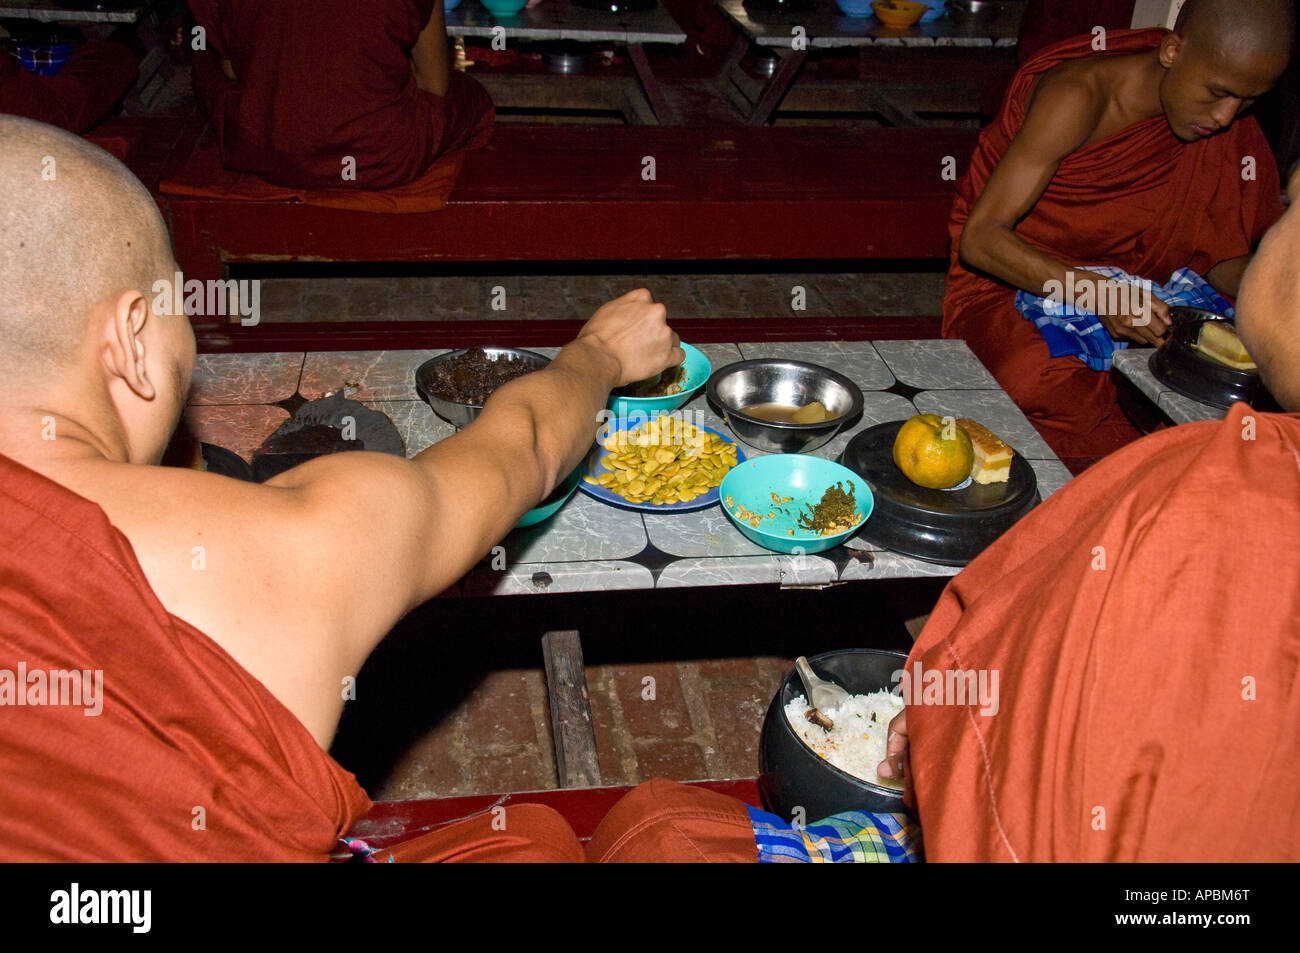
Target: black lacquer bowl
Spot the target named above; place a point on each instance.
(792, 775)
(1186, 370)
(950, 527)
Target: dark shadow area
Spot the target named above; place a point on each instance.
(432, 660)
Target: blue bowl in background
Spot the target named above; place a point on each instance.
(449, 5)
(46, 59)
(803, 478)
(698, 370)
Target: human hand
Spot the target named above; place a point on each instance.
(1143, 322)
(897, 764)
(634, 331)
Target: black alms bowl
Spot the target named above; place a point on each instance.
(792, 775)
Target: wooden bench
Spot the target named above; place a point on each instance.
(620, 193)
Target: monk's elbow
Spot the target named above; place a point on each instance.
(971, 247)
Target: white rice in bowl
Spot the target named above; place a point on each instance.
(857, 742)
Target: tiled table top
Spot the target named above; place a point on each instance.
(590, 545)
(1135, 364)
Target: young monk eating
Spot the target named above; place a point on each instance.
(1126, 149)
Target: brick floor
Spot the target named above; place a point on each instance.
(696, 720)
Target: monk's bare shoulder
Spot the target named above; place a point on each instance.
(1067, 107)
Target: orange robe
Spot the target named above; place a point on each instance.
(170, 751)
(189, 758)
(1145, 625)
(1141, 200)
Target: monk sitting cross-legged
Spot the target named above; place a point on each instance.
(332, 93)
(1134, 156)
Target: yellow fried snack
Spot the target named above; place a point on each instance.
(667, 461)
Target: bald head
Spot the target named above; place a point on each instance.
(1238, 28)
(77, 229)
(1268, 308)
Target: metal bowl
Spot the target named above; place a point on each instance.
(774, 381)
(461, 415)
(792, 775)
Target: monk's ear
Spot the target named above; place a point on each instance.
(1171, 47)
(124, 353)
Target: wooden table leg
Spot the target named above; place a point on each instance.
(775, 91)
(571, 724)
(653, 91)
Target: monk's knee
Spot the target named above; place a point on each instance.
(509, 833)
(662, 821)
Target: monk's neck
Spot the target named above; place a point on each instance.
(48, 440)
(1135, 88)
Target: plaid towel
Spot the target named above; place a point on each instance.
(1076, 331)
(854, 837)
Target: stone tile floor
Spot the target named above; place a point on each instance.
(783, 294)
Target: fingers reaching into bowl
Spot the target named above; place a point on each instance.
(896, 765)
(634, 330)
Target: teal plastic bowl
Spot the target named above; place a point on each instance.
(504, 8)
(796, 475)
(551, 505)
(698, 370)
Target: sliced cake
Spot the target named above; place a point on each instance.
(992, 456)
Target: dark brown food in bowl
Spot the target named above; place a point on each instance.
(474, 376)
(669, 382)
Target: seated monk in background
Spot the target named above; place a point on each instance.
(295, 88)
(1135, 157)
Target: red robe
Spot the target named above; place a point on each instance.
(96, 76)
(179, 754)
(321, 80)
(1141, 200)
(1145, 625)
(190, 757)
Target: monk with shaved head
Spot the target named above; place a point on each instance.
(1118, 157)
(157, 708)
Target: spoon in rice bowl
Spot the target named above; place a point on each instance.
(821, 694)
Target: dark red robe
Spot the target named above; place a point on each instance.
(1141, 200)
(323, 80)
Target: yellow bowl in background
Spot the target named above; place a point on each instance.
(898, 13)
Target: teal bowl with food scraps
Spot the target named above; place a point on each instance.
(554, 500)
(698, 370)
(782, 488)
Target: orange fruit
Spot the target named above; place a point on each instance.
(932, 453)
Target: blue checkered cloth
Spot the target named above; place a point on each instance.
(855, 837)
(1071, 331)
